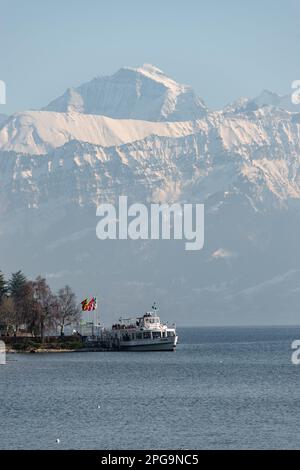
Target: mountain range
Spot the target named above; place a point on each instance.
(141, 134)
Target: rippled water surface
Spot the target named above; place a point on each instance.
(222, 388)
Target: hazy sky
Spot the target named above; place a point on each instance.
(224, 49)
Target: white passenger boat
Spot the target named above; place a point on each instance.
(146, 333)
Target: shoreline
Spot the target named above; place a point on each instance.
(44, 351)
(36, 345)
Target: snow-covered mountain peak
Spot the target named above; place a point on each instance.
(154, 73)
(265, 99)
(149, 68)
(103, 139)
(268, 98)
(144, 93)
(241, 105)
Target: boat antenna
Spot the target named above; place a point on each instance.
(154, 306)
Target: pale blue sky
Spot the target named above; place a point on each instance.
(224, 49)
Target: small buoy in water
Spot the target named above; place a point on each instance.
(98, 407)
(221, 362)
(57, 441)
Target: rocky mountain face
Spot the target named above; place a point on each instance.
(145, 93)
(109, 138)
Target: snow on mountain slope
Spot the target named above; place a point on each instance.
(37, 132)
(243, 163)
(259, 159)
(143, 93)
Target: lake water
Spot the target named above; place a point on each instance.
(223, 388)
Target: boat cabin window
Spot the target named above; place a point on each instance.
(156, 334)
(147, 335)
(170, 333)
(139, 336)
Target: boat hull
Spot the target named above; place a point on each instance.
(150, 345)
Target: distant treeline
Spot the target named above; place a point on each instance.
(31, 307)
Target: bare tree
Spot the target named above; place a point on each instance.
(68, 311)
(31, 309)
(46, 308)
(8, 314)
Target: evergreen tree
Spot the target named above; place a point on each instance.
(16, 285)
